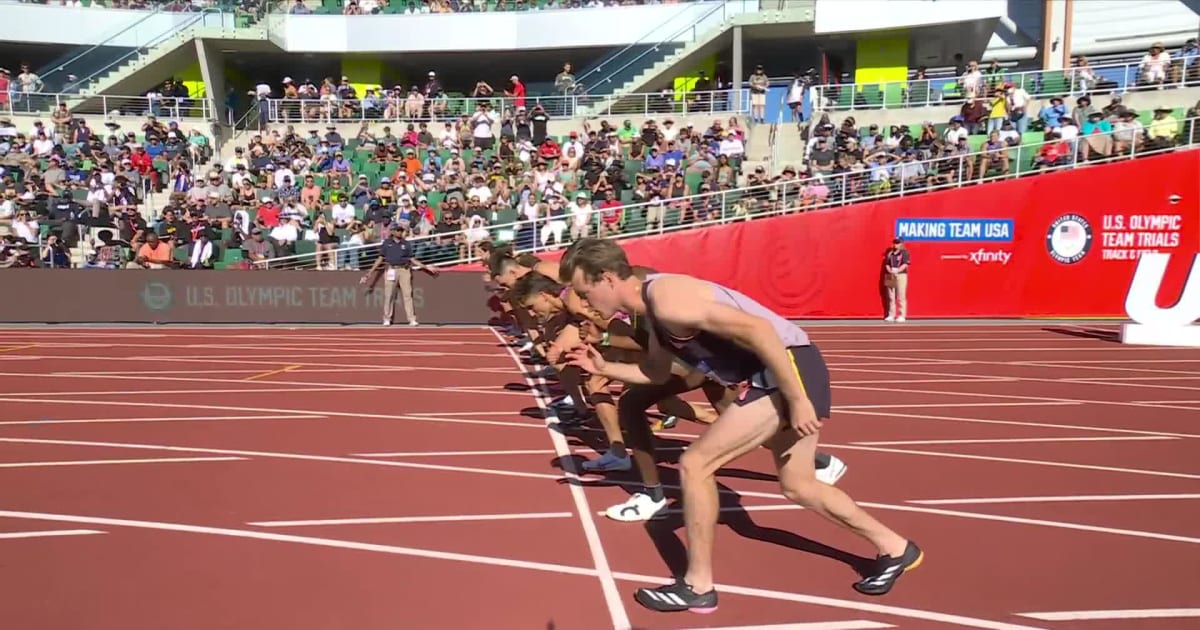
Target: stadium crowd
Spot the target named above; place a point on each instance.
(464, 180)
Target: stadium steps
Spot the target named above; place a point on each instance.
(168, 57)
(660, 76)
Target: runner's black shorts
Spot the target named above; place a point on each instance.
(809, 368)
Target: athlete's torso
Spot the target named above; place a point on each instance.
(721, 359)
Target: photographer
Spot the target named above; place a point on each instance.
(54, 253)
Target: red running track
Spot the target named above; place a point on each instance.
(201, 478)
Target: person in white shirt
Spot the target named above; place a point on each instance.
(972, 81)
(1018, 106)
(284, 175)
(480, 191)
(201, 253)
(239, 175)
(343, 213)
(286, 234)
(481, 127)
(448, 138)
(731, 146)
(1155, 64)
(669, 131)
(956, 131)
(573, 143)
(581, 216)
(1068, 131)
(42, 146)
(555, 225)
(26, 226)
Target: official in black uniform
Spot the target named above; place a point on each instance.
(396, 257)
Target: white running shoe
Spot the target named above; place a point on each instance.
(889, 318)
(834, 471)
(639, 507)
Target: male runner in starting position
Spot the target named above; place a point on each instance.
(785, 398)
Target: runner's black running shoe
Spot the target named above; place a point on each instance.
(677, 597)
(889, 569)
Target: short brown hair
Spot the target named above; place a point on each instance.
(530, 285)
(595, 257)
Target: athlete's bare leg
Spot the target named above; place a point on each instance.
(740, 429)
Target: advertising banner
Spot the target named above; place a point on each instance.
(1060, 244)
(182, 296)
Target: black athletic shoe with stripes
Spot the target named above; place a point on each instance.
(677, 597)
(889, 569)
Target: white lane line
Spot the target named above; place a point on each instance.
(855, 624)
(782, 507)
(331, 414)
(541, 451)
(278, 455)
(101, 462)
(1056, 499)
(608, 584)
(1050, 403)
(532, 451)
(245, 390)
(1017, 460)
(1136, 533)
(162, 419)
(1107, 438)
(453, 518)
(1093, 615)
(1019, 423)
(49, 533)
(857, 605)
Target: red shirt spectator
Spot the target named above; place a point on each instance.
(141, 161)
(549, 149)
(517, 93)
(268, 213)
(1053, 151)
(610, 211)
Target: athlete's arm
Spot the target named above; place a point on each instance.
(596, 332)
(656, 365)
(568, 339)
(687, 304)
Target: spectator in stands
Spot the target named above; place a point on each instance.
(1162, 130)
(1083, 77)
(200, 252)
(257, 248)
(152, 253)
(1052, 114)
(1155, 65)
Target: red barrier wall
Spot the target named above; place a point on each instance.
(829, 263)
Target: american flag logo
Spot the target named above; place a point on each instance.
(1069, 239)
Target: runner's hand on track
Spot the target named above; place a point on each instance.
(587, 358)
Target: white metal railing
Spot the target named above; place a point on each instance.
(42, 104)
(782, 196)
(397, 109)
(1040, 84)
(456, 6)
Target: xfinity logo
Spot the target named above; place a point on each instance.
(981, 256)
